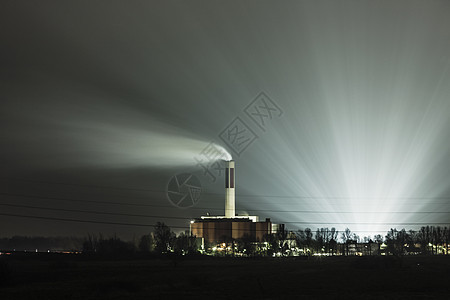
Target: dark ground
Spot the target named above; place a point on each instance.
(42, 276)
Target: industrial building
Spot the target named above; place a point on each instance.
(219, 229)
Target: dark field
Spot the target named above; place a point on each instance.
(44, 276)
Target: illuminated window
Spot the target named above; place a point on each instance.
(226, 178)
(232, 178)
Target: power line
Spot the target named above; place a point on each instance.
(152, 225)
(74, 220)
(210, 208)
(81, 200)
(103, 222)
(288, 222)
(366, 223)
(89, 211)
(171, 217)
(238, 195)
(82, 185)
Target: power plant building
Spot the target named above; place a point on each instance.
(231, 226)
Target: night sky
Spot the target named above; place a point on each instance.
(102, 102)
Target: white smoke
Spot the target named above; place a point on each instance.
(225, 154)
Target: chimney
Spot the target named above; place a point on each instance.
(230, 207)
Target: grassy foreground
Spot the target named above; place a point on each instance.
(78, 277)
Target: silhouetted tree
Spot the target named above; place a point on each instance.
(439, 240)
(305, 240)
(423, 240)
(20, 243)
(164, 238)
(146, 243)
(332, 240)
(396, 240)
(114, 246)
(379, 240)
(370, 243)
(272, 244)
(347, 238)
(320, 239)
(446, 234)
(301, 240)
(246, 245)
(282, 240)
(185, 244)
(411, 241)
(90, 244)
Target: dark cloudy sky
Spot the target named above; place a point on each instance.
(104, 101)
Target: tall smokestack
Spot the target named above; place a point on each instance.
(230, 207)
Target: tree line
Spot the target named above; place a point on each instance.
(161, 241)
(28, 243)
(429, 240)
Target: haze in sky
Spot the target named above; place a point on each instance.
(345, 106)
